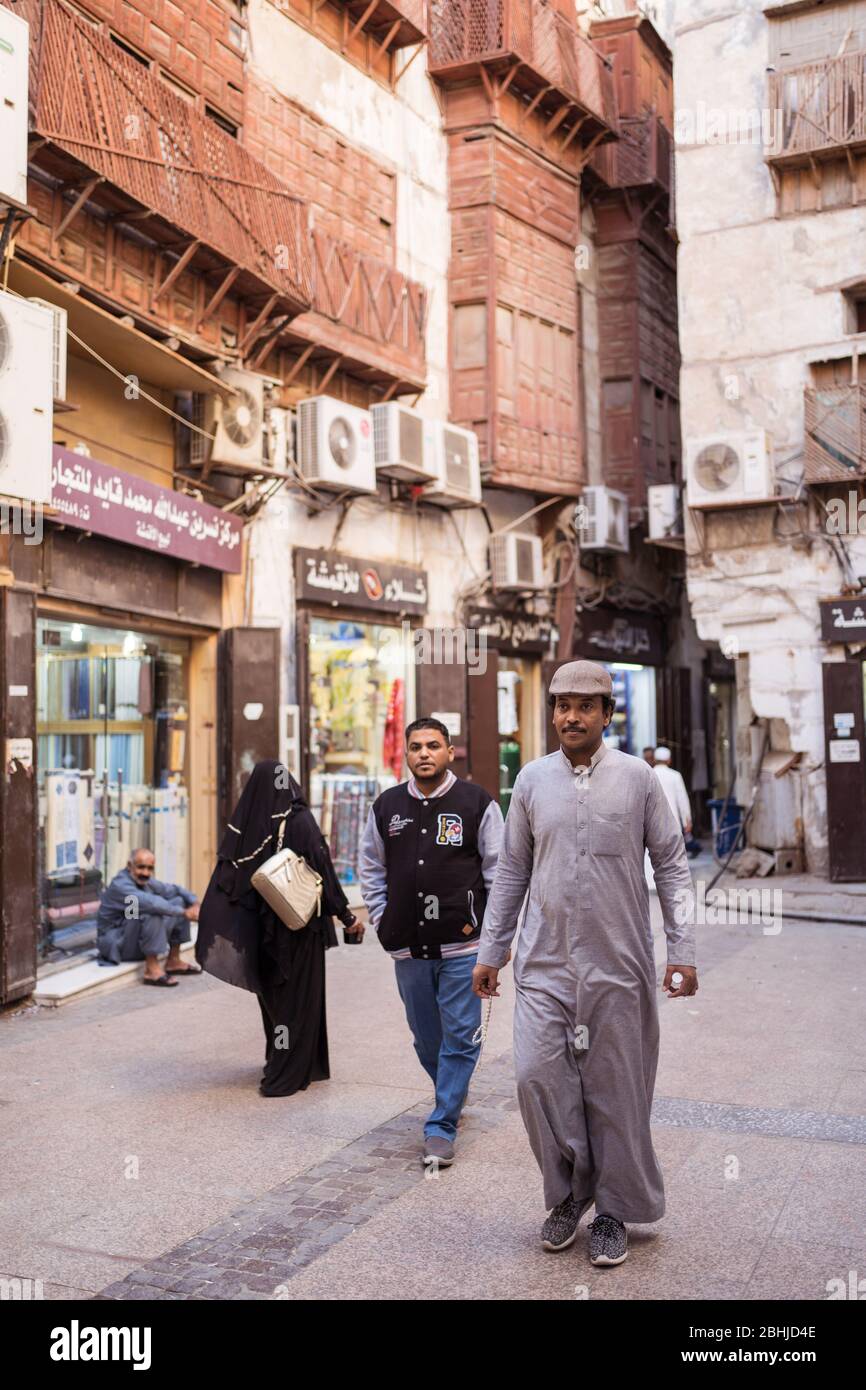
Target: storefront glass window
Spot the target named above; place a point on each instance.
(517, 711)
(112, 719)
(362, 696)
(633, 726)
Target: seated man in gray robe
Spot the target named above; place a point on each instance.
(140, 918)
(586, 1028)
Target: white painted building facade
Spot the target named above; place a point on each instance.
(765, 296)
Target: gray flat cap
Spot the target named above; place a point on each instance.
(581, 678)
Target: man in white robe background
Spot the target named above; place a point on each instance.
(586, 1016)
(674, 788)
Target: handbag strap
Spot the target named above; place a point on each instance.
(245, 859)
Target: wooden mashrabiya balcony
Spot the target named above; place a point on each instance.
(531, 46)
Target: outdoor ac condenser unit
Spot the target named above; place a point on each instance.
(602, 520)
(335, 445)
(14, 46)
(457, 482)
(236, 424)
(26, 399)
(58, 355)
(403, 443)
(516, 561)
(724, 469)
(664, 505)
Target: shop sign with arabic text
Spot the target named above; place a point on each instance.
(843, 620)
(93, 496)
(619, 634)
(325, 576)
(512, 629)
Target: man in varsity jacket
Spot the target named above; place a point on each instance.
(427, 862)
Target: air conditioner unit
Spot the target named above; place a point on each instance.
(516, 561)
(664, 505)
(457, 481)
(26, 397)
(602, 520)
(723, 469)
(14, 45)
(236, 424)
(335, 445)
(58, 355)
(403, 442)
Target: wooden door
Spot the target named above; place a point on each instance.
(846, 782)
(248, 708)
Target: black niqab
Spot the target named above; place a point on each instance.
(240, 940)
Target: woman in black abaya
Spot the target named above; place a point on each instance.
(240, 940)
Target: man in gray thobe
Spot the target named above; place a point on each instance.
(586, 1021)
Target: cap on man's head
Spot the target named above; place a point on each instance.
(581, 678)
(662, 755)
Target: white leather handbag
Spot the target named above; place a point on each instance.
(289, 886)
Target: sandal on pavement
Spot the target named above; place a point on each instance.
(162, 981)
(187, 970)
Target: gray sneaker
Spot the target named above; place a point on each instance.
(608, 1242)
(560, 1228)
(438, 1152)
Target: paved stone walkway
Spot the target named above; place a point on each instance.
(256, 1252)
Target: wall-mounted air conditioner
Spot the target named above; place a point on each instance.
(601, 520)
(58, 354)
(335, 445)
(665, 511)
(26, 398)
(236, 424)
(14, 46)
(516, 561)
(403, 443)
(457, 481)
(723, 469)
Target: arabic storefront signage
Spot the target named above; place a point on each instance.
(524, 632)
(93, 496)
(843, 620)
(325, 576)
(619, 634)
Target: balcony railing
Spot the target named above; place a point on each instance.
(643, 155)
(368, 296)
(92, 102)
(819, 107)
(395, 23)
(365, 310)
(543, 42)
(835, 436)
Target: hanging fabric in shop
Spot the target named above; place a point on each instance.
(392, 742)
(169, 838)
(69, 833)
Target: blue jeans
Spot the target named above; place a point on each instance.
(443, 1014)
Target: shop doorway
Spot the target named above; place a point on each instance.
(360, 689)
(112, 711)
(633, 726)
(518, 719)
(722, 725)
